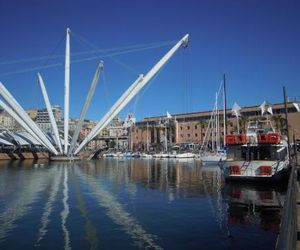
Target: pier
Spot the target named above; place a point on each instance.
(289, 235)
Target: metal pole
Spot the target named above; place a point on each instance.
(50, 112)
(67, 94)
(147, 139)
(225, 106)
(85, 107)
(286, 121)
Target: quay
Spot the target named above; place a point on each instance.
(15, 155)
(289, 234)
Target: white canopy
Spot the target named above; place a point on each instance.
(28, 137)
(5, 142)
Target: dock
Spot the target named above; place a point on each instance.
(289, 234)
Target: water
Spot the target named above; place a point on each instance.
(132, 204)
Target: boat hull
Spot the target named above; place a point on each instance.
(250, 172)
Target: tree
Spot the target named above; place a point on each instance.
(279, 123)
(243, 122)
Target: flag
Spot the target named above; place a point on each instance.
(270, 110)
(266, 107)
(297, 106)
(168, 115)
(236, 110)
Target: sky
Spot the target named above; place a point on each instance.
(255, 43)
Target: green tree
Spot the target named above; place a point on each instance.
(243, 122)
(279, 122)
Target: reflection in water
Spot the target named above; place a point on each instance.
(139, 204)
(28, 184)
(64, 214)
(255, 205)
(90, 229)
(49, 206)
(218, 207)
(120, 216)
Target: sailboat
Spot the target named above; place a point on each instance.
(146, 155)
(164, 154)
(212, 138)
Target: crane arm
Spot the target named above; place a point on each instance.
(131, 92)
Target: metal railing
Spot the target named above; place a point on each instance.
(287, 238)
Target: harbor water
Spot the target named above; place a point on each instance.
(133, 204)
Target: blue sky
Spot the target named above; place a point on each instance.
(255, 43)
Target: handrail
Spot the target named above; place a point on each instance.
(287, 238)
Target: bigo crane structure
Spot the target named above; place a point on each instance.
(64, 147)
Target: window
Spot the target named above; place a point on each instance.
(195, 126)
(196, 135)
(188, 135)
(188, 127)
(181, 128)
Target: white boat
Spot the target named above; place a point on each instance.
(108, 155)
(185, 155)
(146, 156)
(161, 155)
(259, 155)
(212, 158)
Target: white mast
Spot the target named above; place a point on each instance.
(25, 117)
(130, 93)
(86, 106)
(224, 121)
(50, 112)
(217, 125)
(147, 138)
(20, 121)
(67, 94)
(166, 139)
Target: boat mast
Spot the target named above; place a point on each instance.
(218, 125)
(166, 140)
(225, 108)
(286, 121)
(224, 115)
(147, 139)
(67, 94)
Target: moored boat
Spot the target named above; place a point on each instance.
(212, 158)
(261, 154)
(185, 155)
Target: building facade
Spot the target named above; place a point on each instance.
(191, 128)
(42, 119)
(6, 121)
